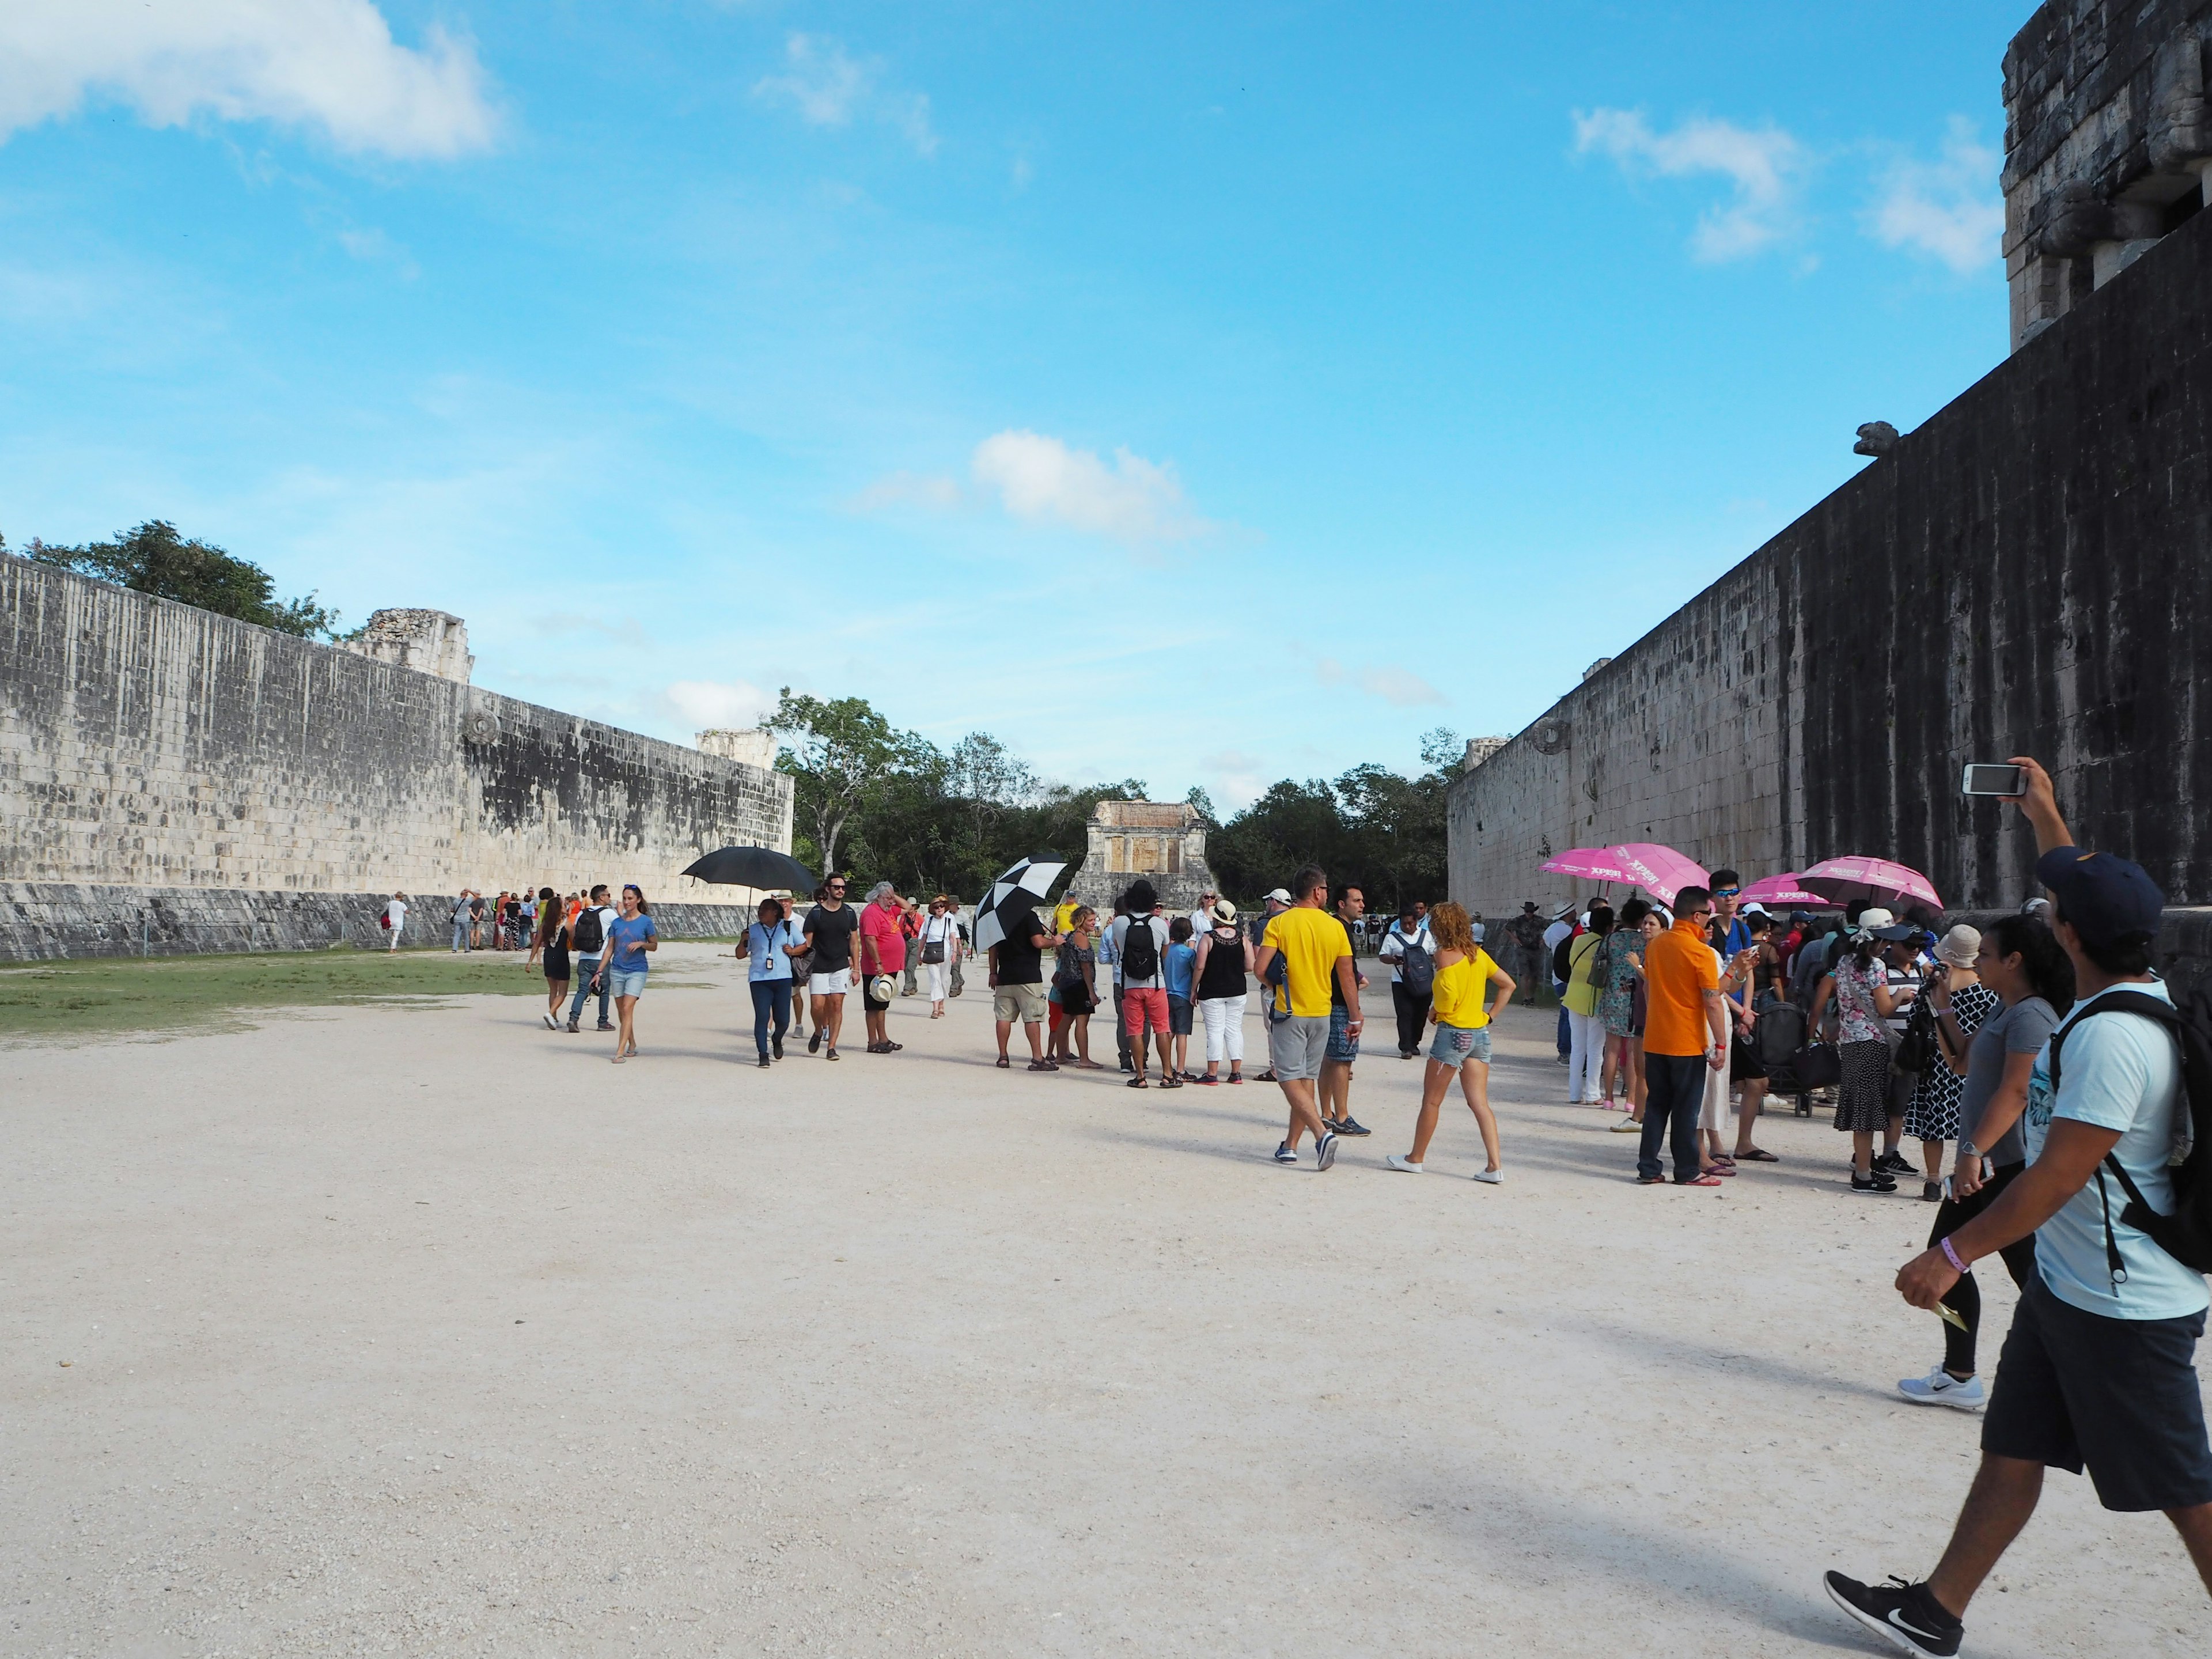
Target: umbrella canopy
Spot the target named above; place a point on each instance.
(1783, 889)
(1590, 863)
(1878, 879)
(1018, 887)
(1659, 871)
(753, 867)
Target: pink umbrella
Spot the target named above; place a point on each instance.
(1783, 889)
(1860, 876)
(1590, 863)
(1659, 871)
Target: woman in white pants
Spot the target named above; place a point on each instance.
(1218, 985)
(1585, 1025)
(940, 950)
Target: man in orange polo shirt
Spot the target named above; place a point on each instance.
(1685, 1036)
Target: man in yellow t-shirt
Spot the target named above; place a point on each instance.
(1063, 916)
(1315, 949)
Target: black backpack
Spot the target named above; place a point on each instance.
(1560, 966)
(589, 935)
(1417, 969)
(1141, 950)
(2186, 1234)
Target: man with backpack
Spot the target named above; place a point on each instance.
(2099, 1368)
(1140, 951)
(587, 941)
(1411, 954)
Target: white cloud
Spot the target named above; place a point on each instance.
(712, 705)
(1949, 210)
(902, 489)
(1400, 688)
(828, 87)
(1766, 168)
(328, 65)
(1039, 478)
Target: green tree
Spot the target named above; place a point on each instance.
(155, 559)
(840, 754)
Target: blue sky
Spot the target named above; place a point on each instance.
(1205, 394)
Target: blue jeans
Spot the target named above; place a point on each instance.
(585, 966)
(1566, 1033)
(1674, 1092)
(460, 933)
(771, 998)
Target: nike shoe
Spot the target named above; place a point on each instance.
(1325, 1150)
(1353, 1126)
(1939, 1387)
(1911, 1618)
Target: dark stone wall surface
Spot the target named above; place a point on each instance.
(150, 744)
(2029, 571)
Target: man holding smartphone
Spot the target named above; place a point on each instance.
(1731, 937)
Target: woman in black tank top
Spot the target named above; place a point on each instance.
(1224, 958)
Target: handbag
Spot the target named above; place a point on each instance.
(1916, 1051)
(1818, 1066)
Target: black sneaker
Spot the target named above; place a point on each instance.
(765, 1062)
(1931, 1192)
(814, 1042)
(1351, 1126)
(1879, 1182)
(1893, 1163)
(606, 1026)
(775, 1044)
(1908, 1614)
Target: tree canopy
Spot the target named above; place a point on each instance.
(153, 558)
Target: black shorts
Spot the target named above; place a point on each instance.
(1743, 1058)
(868, 995)
(2118, 1394)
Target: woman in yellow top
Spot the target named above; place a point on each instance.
(1585, 1028)
(1465, 979)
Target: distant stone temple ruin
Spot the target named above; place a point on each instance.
(427, 641)
(2108, 145)
(1162, 841)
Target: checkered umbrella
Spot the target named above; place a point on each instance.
(1024, 882)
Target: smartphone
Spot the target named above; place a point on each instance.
(1985, 779)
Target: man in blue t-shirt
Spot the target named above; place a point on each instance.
(2099, 1368)
(1731, 937)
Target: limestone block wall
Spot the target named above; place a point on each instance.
(2030, 571)
(146, 744)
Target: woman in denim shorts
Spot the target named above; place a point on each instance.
(623, 965)
(1466, 979)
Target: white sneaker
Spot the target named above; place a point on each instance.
(1939, 1387)
(1406, 1165)
(1489, 1177)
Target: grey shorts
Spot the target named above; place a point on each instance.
(1297, 1046)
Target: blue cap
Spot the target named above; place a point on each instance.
(2108, 900)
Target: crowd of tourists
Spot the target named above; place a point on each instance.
(2085, 1184)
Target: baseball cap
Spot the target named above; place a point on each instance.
(2108, 899)
(1281, 896)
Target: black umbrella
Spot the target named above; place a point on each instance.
(754, 867)
(1015, 911)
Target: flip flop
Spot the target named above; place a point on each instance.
(1757, 1155)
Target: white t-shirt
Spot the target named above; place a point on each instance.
(2118, 1072)
(608, 917)
(1558, 930)
(943, 930)
(1394, 942)
(398, 911)
(1120, 933)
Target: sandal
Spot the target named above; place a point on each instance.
(1757, 1155)
(1002, 1062)
(1137, 1082)
(1170, 1083)
(1040, 1066)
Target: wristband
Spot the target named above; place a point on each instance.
(1952, 1255)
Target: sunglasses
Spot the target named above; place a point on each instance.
(1726, 892)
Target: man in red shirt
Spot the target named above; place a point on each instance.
(883, 950)
(1685, 1033)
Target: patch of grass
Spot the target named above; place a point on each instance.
(118, 995)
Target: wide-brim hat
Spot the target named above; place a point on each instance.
(1960, 946)
(1224, 911)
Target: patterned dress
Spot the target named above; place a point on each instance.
(1934, 1113)
(1862, 1097)
(1616, 978)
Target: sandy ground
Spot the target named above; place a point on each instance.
(433, 1333)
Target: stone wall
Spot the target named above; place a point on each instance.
(1162, 842)
(2030, 571)
(150, 744)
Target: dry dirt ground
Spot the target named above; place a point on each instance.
(433, 1333)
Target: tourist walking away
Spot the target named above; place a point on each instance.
(1219, 986)
(1685, 1039)
(2099, 1369)
(1585, 1030)
(395, 920)
(587, 941)
(2020, 965)
(1277, 901)
(1334, 1094)
(1857, 986)
(1182, 959)
(460, 921)
(882, 954)
(552, 952)
(1016, 963)
(1140, 948)
(1562, 929)
(1409, 947)
(1313, 949)
(940, 951)
(910, 924)
(631, 938)
(1941, 1047)
(1469, 992)
(1619, 959)
(766, 950)
(829, 928)
(1075, 995)
(1525, 939)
